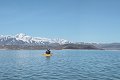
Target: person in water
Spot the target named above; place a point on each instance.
(48, 51)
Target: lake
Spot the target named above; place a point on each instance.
(63, 65)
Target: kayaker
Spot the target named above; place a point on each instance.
(48, 51)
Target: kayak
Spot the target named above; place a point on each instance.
(47, 54)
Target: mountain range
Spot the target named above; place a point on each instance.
(25, 42)
(23, 39)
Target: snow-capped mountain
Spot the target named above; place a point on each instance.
(23, 39)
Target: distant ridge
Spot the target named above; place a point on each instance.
(26, 42)
(23, 39)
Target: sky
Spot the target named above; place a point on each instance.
(74, 20)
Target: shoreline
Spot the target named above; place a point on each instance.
(57, 49)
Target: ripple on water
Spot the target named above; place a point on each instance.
(66, 65)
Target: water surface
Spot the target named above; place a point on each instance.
(63, 65)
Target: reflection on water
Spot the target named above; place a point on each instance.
(64, 64)
(48, 57)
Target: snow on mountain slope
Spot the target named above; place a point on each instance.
(23, 39)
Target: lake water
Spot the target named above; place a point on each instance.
(63, 65)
